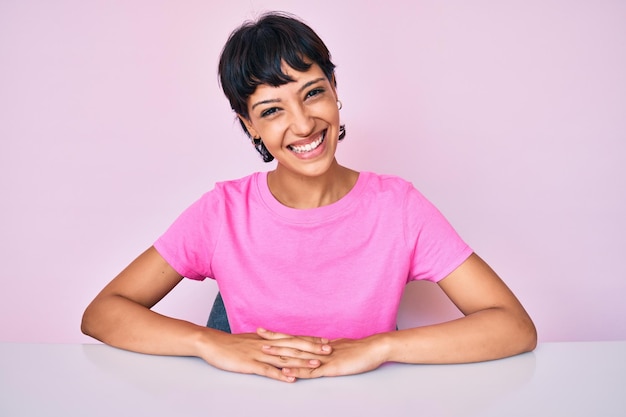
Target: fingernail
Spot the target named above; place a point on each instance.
(326, 348)
(265, 347)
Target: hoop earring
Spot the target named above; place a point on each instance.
(339, 104)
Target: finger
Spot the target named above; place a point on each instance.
(316, 346)
(292, 353)
(273, 373)
(270, 335)
(256, 367)
(302, 373)
(291, 362)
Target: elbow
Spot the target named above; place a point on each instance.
(528, 336)
(84, 324)
(520, 335)
(88, 322)
(532, 339)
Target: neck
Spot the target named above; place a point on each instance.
(304, 192)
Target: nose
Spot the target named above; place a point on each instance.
(302, 124)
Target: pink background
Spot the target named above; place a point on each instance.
(509, 115)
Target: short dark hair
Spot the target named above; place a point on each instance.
(255, 52)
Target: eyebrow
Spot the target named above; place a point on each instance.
(277, 100)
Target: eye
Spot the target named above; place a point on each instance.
(269, 112)
(314, 92)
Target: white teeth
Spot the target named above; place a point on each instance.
(309, 146)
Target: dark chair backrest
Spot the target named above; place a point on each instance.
(218, 319)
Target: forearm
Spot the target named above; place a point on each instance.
(120, 322)
(485, 335)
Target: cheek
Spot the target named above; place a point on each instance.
(271, 132)
(329, 112)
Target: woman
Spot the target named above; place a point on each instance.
(315, 252)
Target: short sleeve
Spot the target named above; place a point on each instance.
(188, 244)
(437, 249)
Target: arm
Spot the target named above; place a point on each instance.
(495, 325)
(121, 316)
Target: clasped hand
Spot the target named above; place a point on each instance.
(286, 357)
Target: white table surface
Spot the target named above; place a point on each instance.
(557, 379)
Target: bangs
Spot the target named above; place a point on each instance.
(263, 61)
(256, 53)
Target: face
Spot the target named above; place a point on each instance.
(298, 121)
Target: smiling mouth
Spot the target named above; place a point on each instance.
(309, 146)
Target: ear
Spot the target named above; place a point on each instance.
(248, 125)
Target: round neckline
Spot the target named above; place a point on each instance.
(311, 215)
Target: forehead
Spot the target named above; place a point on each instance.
(300, 79)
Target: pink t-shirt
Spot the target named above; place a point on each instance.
(333, 271)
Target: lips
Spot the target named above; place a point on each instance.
(309, 146)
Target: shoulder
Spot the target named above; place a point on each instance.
(237, 185)
(230, 190)
(384, 182)
(399, 196)
(217, 200)
(392, 187)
